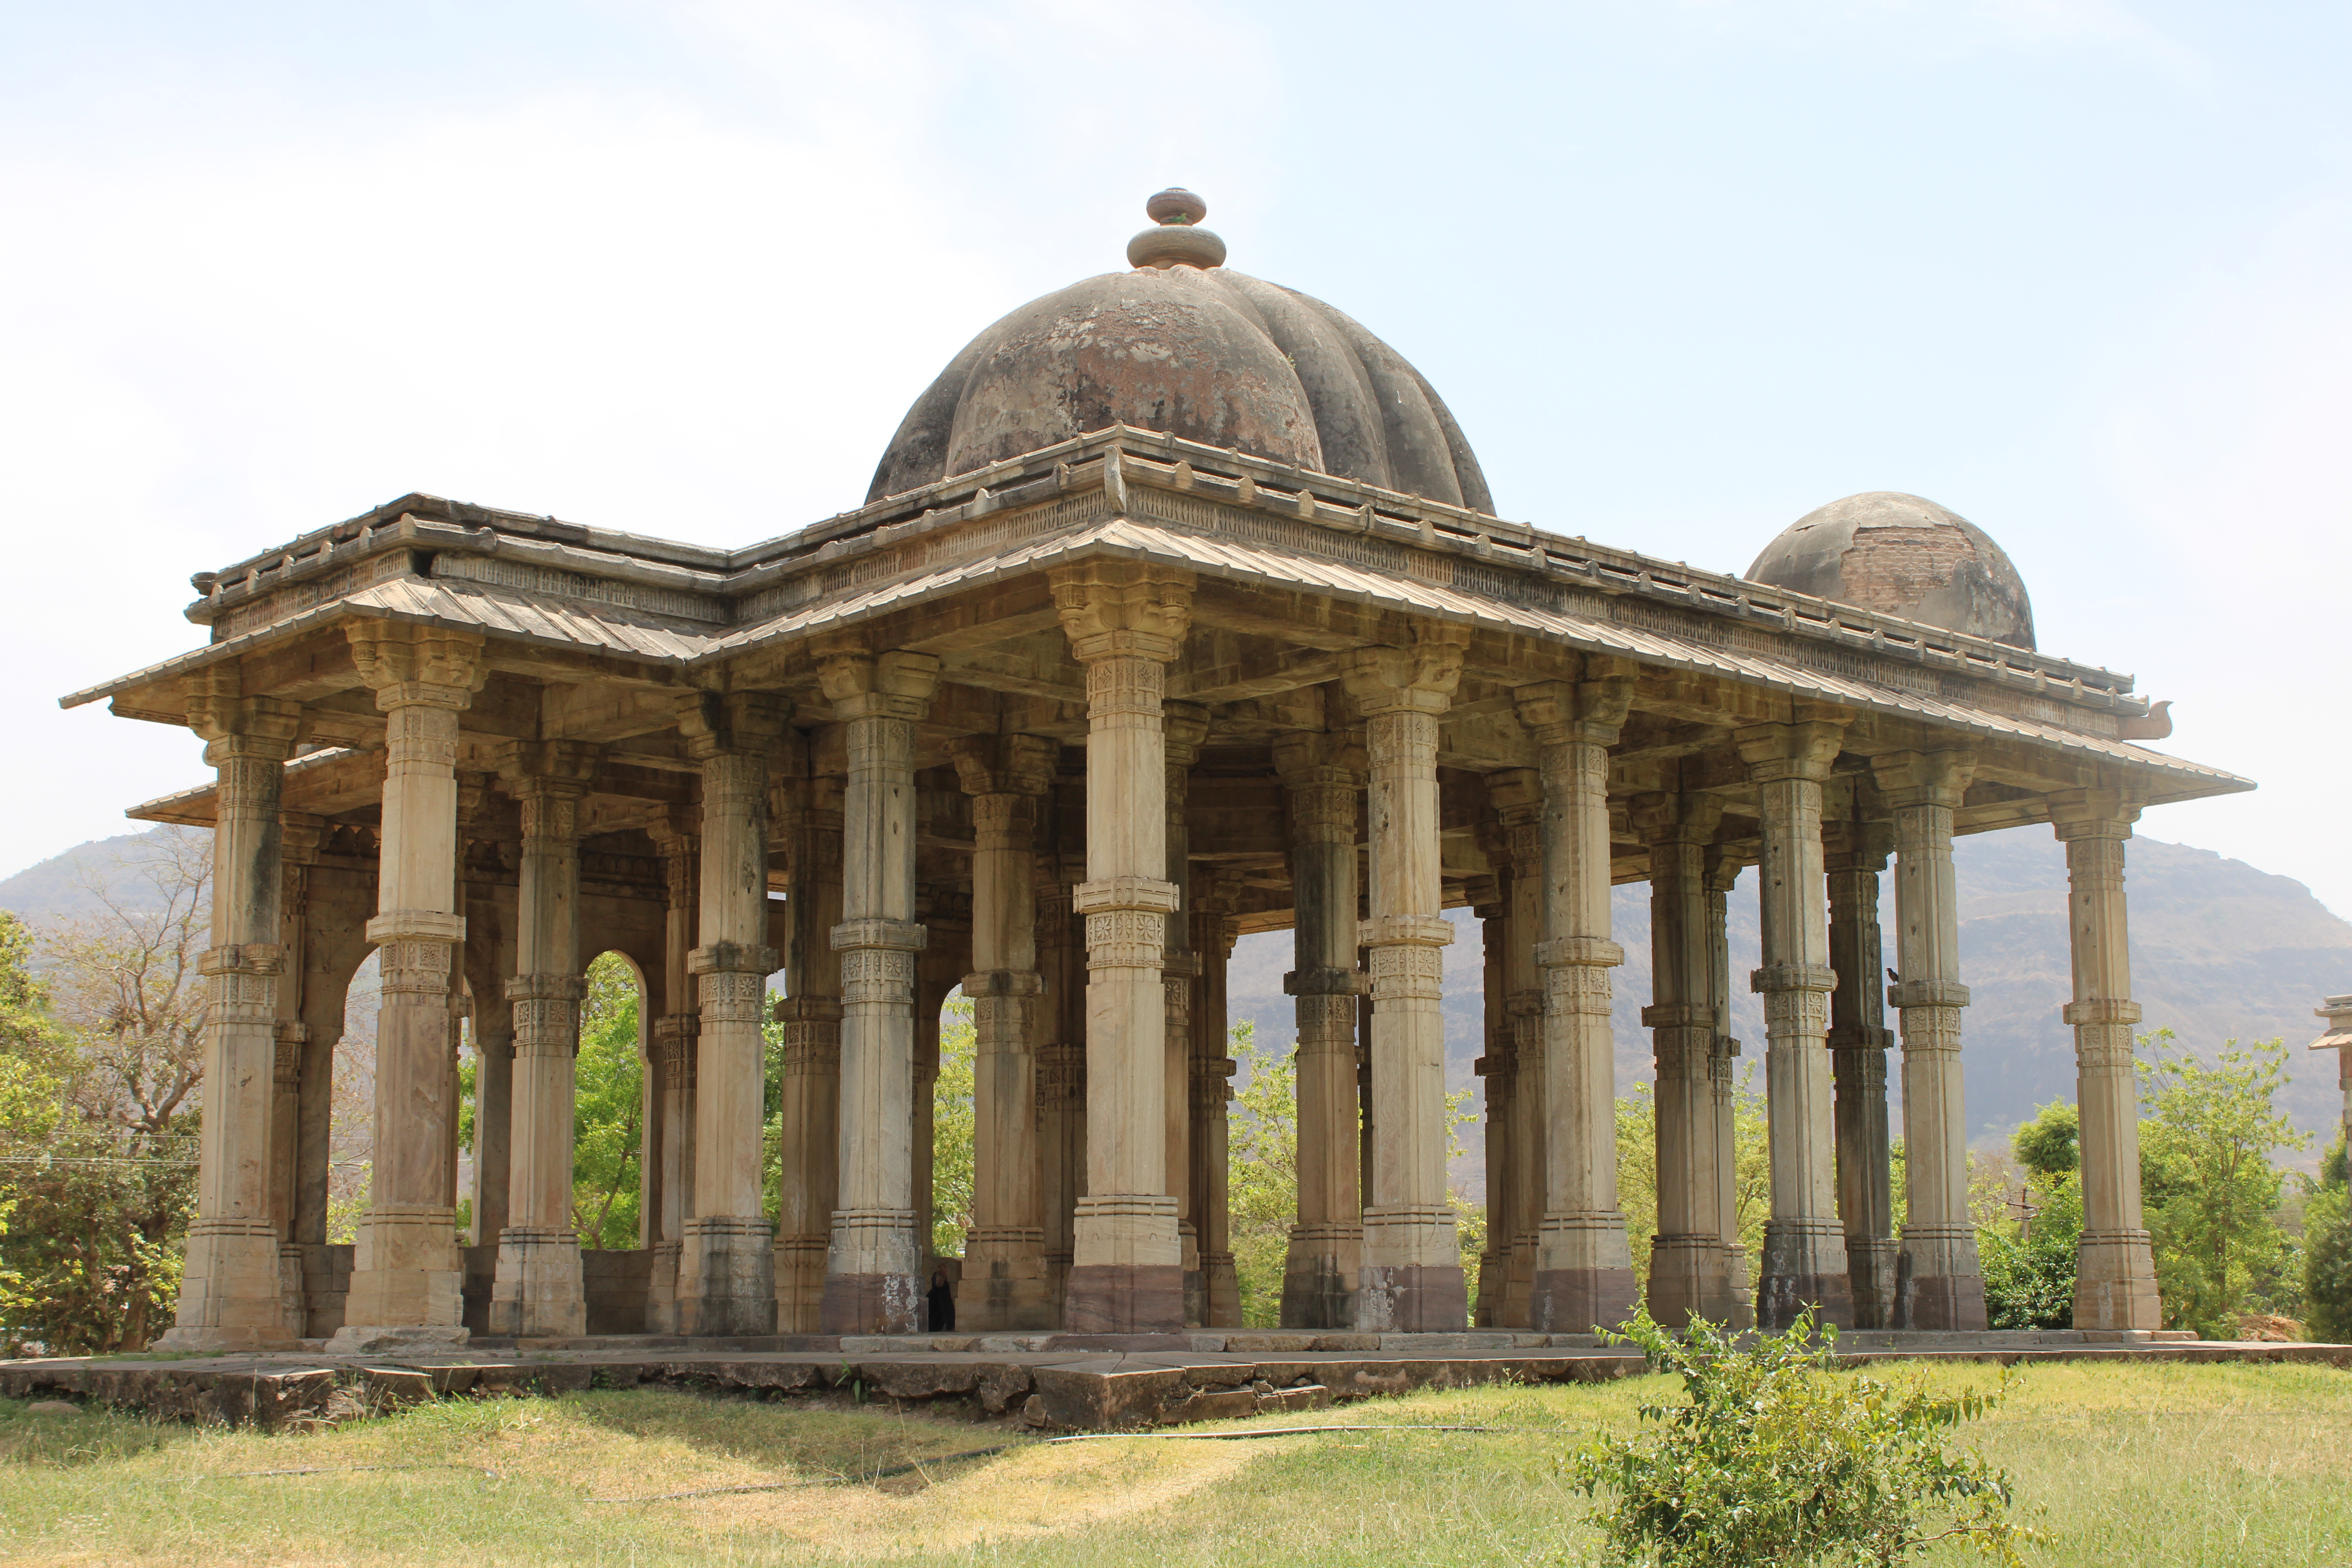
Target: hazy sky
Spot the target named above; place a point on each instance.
(1686, 269)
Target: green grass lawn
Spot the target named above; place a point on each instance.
(2145, 1466)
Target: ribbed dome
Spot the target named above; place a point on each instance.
(1208, 353)
(1902, 555)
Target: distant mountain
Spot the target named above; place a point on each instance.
(2220, 951)
(58, 887)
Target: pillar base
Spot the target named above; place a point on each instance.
(1124, 1299)
(1412, 1298)
(1224, 1290)
(1319, 1277)
(233, 1292)
(1517, 1308)
(1738, 1280)
(2115, 1281)
(727, 1277)
(1938, 1283)
(539, 1291)
(1689, 1279)
(662, 1315)
(871, 1281)
(1004, 1288)
(1584, 1275)
(1804, 1265)
(406, 1273)
(800, 1283)
(1486, 1300)
(1871, 1271)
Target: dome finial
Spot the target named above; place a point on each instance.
(1176, 242)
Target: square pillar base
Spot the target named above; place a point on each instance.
(1804, 1265)
(1224, 1290)
(1689, 1279)
(1004, 1286)
(727, 1277)
(1871, 1271)
(800, 1282)
(2115, 1281)
(871, 1286)
(406, 1273)
(539, 1291)
(1938, 1284)
(1124, 1299)
(1584, 1275)
(1319, 1275)
(661, 1289)
(233, 1292)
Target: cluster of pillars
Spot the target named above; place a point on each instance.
(1098, 1200)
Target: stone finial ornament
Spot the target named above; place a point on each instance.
(1176, 242)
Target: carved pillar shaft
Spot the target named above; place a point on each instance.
(727, 1262)
(1212, 1071)
(538, 1291)
(1412, 1275)
(1584, 1272)
(1938, 1282)
(231, 1292)
(1061, 1065)
(1517, 797)
(809, 1161)
(1182, 727)
(1323, 785)
(1125, 623)
(2115, 1279)
(1494, 1067)
(669, 1158)
(873, 1282)
(1804, 1246)
(1855, 854)
(1722, 873)
(1004, 1283)
(1689, 1276)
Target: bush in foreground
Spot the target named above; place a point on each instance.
(1776, 1458)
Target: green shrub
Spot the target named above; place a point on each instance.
(1777, 1459)
(2327, 1266)
(2029, 1282)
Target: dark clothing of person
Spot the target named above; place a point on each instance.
(942, 1304)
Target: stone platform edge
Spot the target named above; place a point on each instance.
(1065, 1383)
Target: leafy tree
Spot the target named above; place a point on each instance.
(1775, 1458)
(1637, 1169)
(2328, 1254)
(2050, 1144)
(953, 1128)
(607, 1106)
(2207, 1181)
(100, 1103)
(1262, 1164)
(2028, 1272)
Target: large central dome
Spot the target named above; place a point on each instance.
(1186, 345)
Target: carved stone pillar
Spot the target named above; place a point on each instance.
(676, 1036)
(809, 1160)
(1411, 1277)
(1804, 1246)
(1689, 1277)
(1584, 1271)
(1855, 854)
(298, 837)
(873, 1281)
(1004, 1283)
(1938, 1281)
(1322, 783)
(1723, 869)
(1517, 797)
(1214, 934)
(1125, 623)
(1061, 1065)
(231, 1295)
(727, 1268)
(407, 1278)
(1494, 1067)
(1183, 726)
(539, 1291)
(2115, 1276)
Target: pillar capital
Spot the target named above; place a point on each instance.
(552, 767)
(414, 666)
(1184, 725)
(2095, 813)
(1417, 678)
(1311, 758)
(234, 726)
(1123, 610)
(1004, 765)
(716, 724)
(1777, 751)
(1924, 778)
(862, 684)
(1593, 710)
(1673, 818)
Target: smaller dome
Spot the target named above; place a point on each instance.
(1902, 555)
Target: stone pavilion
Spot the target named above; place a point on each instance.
(1179, 609)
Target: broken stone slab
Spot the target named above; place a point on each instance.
(364, 1339)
